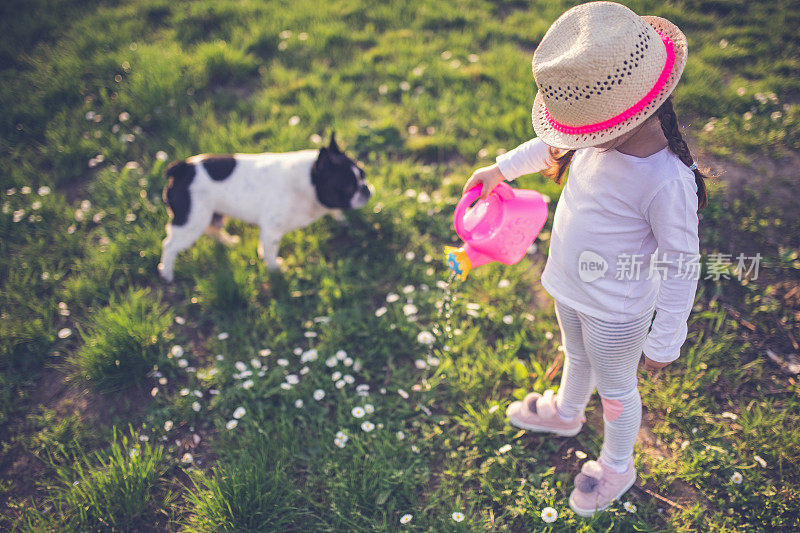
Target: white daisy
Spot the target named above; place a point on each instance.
(239, 412)
(64, 333)
(331, 362)
(305, 370)
(283, 362)
(183, 363)
(176, 351)
(367, 426)
(292, 379)
(405, 519)
(240, 366)
(379, 312)
(309, 356)
(426, 337)
(286, 386)
(247, 385)
(340, 443)
(336, 375)
(168, 425)
(341, 355)
(219, 357)
(420, 364)
(457, 517)
(392, 297)
(408, 289)
(369, 408)
(319, 394)
(222, 336)
(505, 448)
(358, 412)
(736, 478)
(196, 407)
(298, 403)
(403, 394)
(433, 361)
(410, 309)
(549, 515)
(154, 392)
(348, 361)
(255, 363)
(349, 379)
(508, 319)
(184, 392)
(265, 352)
(339, 384)
(187, 458)
(628, 506)
(231, 424)
(401, 435)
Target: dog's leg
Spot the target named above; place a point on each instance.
(180, 238)
(217, 230)
(268, 244)
(339, 217)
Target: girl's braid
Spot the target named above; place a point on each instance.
(560, 161)
(669, 125)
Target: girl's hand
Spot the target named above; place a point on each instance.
(652, 366)
(489, 177)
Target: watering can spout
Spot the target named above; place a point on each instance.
(461, 260)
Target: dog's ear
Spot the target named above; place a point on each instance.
(333, 147)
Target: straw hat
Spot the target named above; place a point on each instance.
(601, 70)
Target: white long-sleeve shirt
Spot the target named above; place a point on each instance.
(615, 212)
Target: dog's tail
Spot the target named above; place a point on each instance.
(176, 193)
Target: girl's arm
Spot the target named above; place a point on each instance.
(672, 215)
(529, 157)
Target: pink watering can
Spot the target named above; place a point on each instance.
(501, 227)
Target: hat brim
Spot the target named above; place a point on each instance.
(568, 141)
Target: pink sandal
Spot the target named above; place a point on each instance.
(538, 412)
(598, 485)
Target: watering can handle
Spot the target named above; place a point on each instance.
(503, 190)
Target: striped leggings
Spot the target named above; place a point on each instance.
(606, 355)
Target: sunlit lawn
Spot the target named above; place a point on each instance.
(329, 397)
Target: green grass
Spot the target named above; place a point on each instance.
(121, 489)
(422, 93)
(123, 341)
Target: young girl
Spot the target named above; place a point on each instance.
(624, 240)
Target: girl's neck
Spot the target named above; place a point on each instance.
(648, 140)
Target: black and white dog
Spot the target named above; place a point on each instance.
(280, 192)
